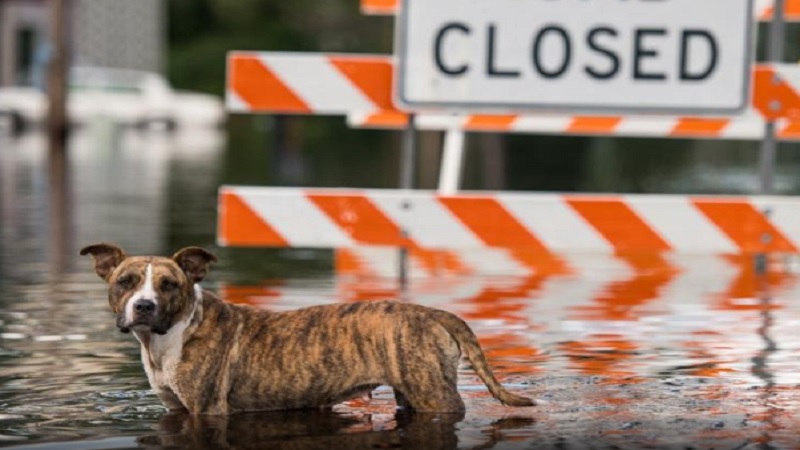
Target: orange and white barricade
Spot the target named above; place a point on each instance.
(502, 232)
(361, 88)
(499, 233)
(762, 9)
(308, 83)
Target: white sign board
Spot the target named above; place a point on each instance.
(672, 56)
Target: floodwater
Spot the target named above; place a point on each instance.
(624, 351)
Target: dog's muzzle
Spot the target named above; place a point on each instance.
(144, 315)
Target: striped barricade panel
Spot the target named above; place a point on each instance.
(308, 83)
(749, 126)
(544, 224)
(765, 9)
(361, 87)
(762, 9)
(776, 96)
(380, 7)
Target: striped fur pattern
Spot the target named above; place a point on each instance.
(210, 357)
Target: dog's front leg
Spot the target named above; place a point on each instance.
(202, 392)
(170, 400)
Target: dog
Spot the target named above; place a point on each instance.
(205, 356)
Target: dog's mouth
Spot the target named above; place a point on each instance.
(150, 324)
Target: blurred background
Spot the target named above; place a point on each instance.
(185, 41)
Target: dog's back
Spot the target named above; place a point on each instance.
(322, 355)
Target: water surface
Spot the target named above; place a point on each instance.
(631, 351)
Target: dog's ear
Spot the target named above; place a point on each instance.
(106, 258)
(194, 261)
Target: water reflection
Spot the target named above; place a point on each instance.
(115, 188)
(305, 430)
(639, 318)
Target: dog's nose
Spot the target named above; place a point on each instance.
(144, 306)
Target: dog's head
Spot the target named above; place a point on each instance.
(150, 293)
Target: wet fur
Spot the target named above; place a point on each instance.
(219, 358)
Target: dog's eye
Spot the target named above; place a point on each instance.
(168, 285)
(125, 282)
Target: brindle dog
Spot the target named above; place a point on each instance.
(210, 357)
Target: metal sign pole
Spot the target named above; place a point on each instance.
(769, 146)
(407, 176)
(409, 155)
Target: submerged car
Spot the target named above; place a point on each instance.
(131, 98)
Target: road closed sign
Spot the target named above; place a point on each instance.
(627, 56)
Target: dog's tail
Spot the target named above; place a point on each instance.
(469, 346)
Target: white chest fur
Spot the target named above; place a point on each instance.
(161, 355)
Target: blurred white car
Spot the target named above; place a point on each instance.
(128, 97)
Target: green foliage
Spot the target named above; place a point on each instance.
(201, 32)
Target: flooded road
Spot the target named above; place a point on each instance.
(625, 351)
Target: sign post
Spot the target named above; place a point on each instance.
(408, 165)
(634, 56)
(769, 145)
(452, 159)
